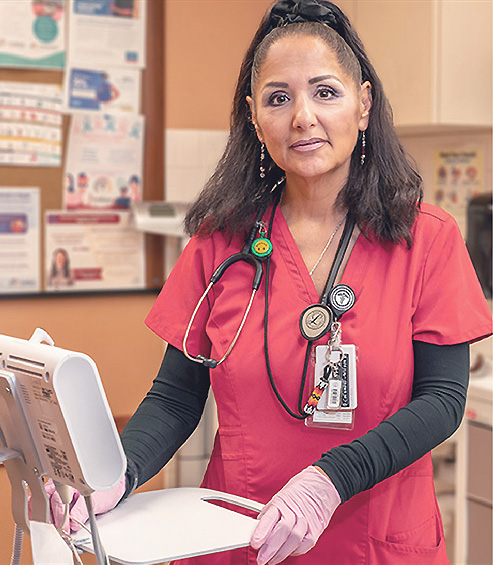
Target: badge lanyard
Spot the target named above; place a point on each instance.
(316, 320)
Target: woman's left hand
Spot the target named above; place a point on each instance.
(291, 523)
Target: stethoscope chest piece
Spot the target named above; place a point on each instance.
(341, 299)
(316, 321)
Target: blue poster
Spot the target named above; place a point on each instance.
(88, 89)
(112, 89)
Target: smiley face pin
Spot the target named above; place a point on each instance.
(262, 246)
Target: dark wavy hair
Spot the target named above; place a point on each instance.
(66, 265)
(383, 195)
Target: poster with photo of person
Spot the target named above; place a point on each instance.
(92, 251)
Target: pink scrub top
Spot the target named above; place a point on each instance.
(428, 293)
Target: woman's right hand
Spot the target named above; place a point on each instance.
(102, 502)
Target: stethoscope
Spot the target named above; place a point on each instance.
(255, 250)
(315, 321)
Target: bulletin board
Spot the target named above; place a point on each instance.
(50, 180)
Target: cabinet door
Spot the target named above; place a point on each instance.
(479, 493)
(434, 58)
(465, 68)
(480, 462)
(398, 39)
(479, 533)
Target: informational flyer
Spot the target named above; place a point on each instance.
(30, 124)
(112, 89)
(19, 240)
(32, 33)
(107, 32)
(458, 177)
(92, 251)
(104, 161)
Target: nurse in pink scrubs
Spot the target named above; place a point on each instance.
(353, 359)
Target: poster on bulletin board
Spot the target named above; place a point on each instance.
(104, 161)
(30, 124)
(458, 176)
(32, 33)
(108, 32)
(93, 251)
(19, 240)
(94, 89)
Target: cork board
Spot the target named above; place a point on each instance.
(50, 179)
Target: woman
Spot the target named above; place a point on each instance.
(311, 153)
(60, 273)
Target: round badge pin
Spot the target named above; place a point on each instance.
(262, 248)
(315, 321)
(341, 299)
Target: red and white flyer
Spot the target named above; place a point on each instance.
(92, 251)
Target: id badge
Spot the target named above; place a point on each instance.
(336, 386)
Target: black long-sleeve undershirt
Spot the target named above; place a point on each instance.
(172, 409)
(166, 417)
(441, 377)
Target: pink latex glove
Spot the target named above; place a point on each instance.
(292, 521)
(102, 502)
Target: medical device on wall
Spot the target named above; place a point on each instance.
(55, 422)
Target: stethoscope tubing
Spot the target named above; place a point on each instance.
(246, 256)
(212, 363)
(240, 256)
(324, 299)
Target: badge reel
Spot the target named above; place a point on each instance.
(333, 401)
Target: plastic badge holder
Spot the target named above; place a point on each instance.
(342, 417)
(54, 415)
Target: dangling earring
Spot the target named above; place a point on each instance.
(363, 147)
(262, 157)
